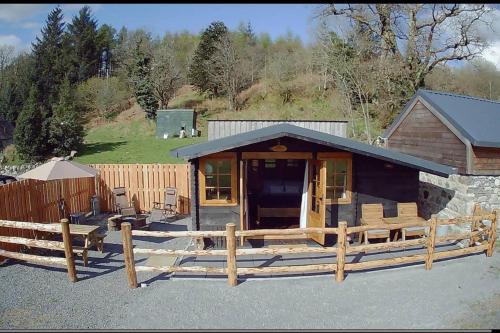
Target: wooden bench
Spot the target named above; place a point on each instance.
(83, 252)
(100, 242)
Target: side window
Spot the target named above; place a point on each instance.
(218, 179)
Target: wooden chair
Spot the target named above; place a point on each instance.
(373, 214)
(409, 209)
(169, 207)
(121, 201)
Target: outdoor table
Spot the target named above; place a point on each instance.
(87, 232)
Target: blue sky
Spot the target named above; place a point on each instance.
(20, 23)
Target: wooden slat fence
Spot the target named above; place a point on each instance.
(37, 201)
(338, 265)
(145, 184)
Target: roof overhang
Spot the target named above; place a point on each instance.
(287, 130)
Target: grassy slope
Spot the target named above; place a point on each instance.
(130, 142)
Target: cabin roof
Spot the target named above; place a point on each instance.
(287, 130)
(475, 118)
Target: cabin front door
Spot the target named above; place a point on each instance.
(316, 194)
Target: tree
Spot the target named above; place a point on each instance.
(140, 77)
(165, 73)
(228, 73)
(199, 70)
(84, 46)
(50, 61)
(28, 138)
(6, 57)
(410, 40)
(66, 129)
(15, 86)
(422, 36)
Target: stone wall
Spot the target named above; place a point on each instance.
(456, 195)
(16, 170)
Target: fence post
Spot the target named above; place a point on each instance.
(128, 254)
(431, 242)
(341, 249)
(232, 275)
(68, 250)
(492, 237)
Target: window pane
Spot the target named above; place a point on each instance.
(341, 166)
(339, 193)
(225, 180)
(225, 194)
(340, 180)
(211, 181)
(329, 192)
(209, 167)
(224, 166)
(211, 194)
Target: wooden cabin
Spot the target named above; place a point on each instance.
(455, 130)
(285, 176)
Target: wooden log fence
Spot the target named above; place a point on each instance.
(65, 245)
(342, 248)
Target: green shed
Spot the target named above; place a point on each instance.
(170, 122)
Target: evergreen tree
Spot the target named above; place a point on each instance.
(28, 137)
(84, 46)
(140, 77)
(50, 61)
(65, 129)
(199, 71)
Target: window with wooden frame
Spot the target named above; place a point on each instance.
(218, 180)
(338, 177)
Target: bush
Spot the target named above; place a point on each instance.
(106, 97)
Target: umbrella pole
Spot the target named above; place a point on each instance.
(60, 201)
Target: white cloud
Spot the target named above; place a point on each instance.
(10, 40)
(14, 41)
(17, 12)
(492, 54)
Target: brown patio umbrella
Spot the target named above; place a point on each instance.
(59, 168)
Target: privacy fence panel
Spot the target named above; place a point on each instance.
(36, 201)
(145, 184)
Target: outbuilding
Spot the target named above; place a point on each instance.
(285, 176)
(455, 130)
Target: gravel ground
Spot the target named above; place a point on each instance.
(455, 294)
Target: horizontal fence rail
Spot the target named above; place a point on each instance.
(65, 245)
(341, 249)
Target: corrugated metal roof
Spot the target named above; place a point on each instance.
(281, 130)
(478, 120)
